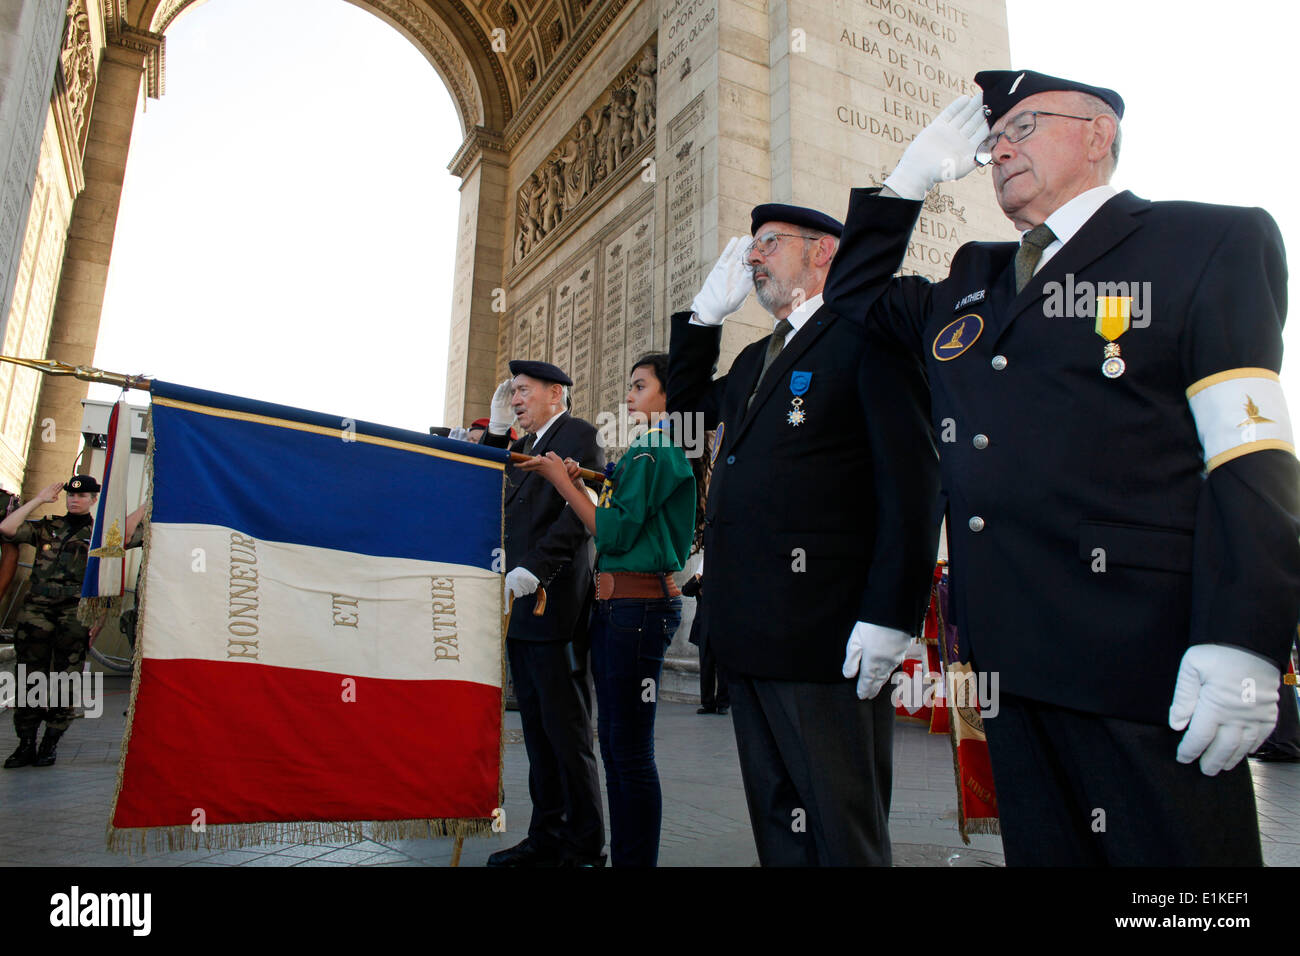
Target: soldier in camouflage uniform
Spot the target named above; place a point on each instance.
(48, 637)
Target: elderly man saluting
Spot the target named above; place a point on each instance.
(821, 516)
(1122, 483)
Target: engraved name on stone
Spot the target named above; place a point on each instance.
(584, 335)
(612, 324)
(540, 327)
(684, 235)
(640, 292)
(683, 24)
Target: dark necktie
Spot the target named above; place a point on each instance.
(1031, 250)
(774, 346)
(529, 441)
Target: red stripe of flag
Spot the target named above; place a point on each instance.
(254, 743)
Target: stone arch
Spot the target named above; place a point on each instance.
(452, 36)
(444, 31)
(503, 63)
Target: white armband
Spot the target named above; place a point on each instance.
(1240, 411)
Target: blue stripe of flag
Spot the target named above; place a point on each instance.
(281, 484)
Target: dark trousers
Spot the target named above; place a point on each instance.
(817, 767)
(555, 709)
(49, 640)
(713, 683)
(1285, 737)
(1079, 789)
(711, 676)
(628, 639)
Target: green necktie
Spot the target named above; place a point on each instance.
(1031, 250)
(774, 346)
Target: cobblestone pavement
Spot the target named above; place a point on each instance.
(57, 816)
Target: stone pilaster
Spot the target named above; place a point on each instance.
(75, 325)
(478, 296)
(30, 31)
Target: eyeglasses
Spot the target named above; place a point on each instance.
(766, 244)
(1018, 128)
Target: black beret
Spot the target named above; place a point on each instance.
(544, 371)
(1003, 89)
(795, 216)
(82, 483)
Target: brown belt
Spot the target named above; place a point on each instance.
(635, 584)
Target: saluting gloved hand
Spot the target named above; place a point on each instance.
(944, 150)
(519, 582)
(727, 287)
(872, 654)
(1229, 696)
(502, 415)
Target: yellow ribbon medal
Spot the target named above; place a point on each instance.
(1112, 322)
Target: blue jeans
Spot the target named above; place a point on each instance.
(628, 639)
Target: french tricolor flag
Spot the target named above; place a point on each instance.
(105, 580)
(320, 629)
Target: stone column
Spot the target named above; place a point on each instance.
(75, 326)
(478, 297)
(29, 49)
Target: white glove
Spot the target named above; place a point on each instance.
(727, 287)
(1230, 697)
(503, 416)
(944, 150)
(459, 434)
(519, 582)
(872, 654)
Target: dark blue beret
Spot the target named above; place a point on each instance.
(1003, 89)
(544, 371)
(795, 216)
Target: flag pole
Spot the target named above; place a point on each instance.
(585, 473)
(83, 372)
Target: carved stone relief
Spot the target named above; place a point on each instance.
(615, 126)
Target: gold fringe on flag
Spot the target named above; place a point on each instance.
(220, 836)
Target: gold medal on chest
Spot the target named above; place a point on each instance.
(1112, 322)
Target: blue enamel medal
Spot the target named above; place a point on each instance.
(799, 382)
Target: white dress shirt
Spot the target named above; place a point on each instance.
(799, 316)
(1069, 219)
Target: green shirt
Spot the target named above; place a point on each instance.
(646, 521)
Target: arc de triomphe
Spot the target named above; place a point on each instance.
(610, 148)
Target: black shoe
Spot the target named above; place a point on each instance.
(706, 710)
(49, 743)
(24, 755)
(1270, 754)
(722, 708)
(526, 853)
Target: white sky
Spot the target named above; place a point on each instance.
(287, 229)
(288, 224)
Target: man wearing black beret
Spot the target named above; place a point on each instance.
(821, 517)
(1122, 482)
(548, 546)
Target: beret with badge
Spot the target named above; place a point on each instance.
(79, 484)
(1003, 89)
